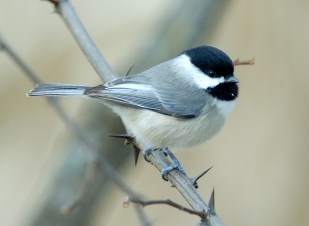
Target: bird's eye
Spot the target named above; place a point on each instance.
(211, 73)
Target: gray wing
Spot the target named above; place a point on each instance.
(162, 96)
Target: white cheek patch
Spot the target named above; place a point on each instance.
(192, 73)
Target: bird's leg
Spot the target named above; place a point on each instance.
(175, 163)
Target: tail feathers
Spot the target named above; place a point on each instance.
(58, 90)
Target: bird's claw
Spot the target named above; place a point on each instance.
(147, 152)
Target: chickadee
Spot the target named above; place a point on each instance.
(178, 104)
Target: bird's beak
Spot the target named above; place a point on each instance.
(231, 79)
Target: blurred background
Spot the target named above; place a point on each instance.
(260, 158)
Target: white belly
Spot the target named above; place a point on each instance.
(152, 129)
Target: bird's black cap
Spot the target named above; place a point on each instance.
(211, 61)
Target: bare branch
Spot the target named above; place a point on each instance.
(201, 214)
(80, 34)
(212, 209)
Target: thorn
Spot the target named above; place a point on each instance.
(129, 140)
(195, 179)
(129, 71)
(136, 152)
(211, 203)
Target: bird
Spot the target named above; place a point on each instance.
(178, 104)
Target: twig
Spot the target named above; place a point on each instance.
(169, 202)
(238, 62)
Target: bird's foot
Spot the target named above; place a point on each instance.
(175, 163)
